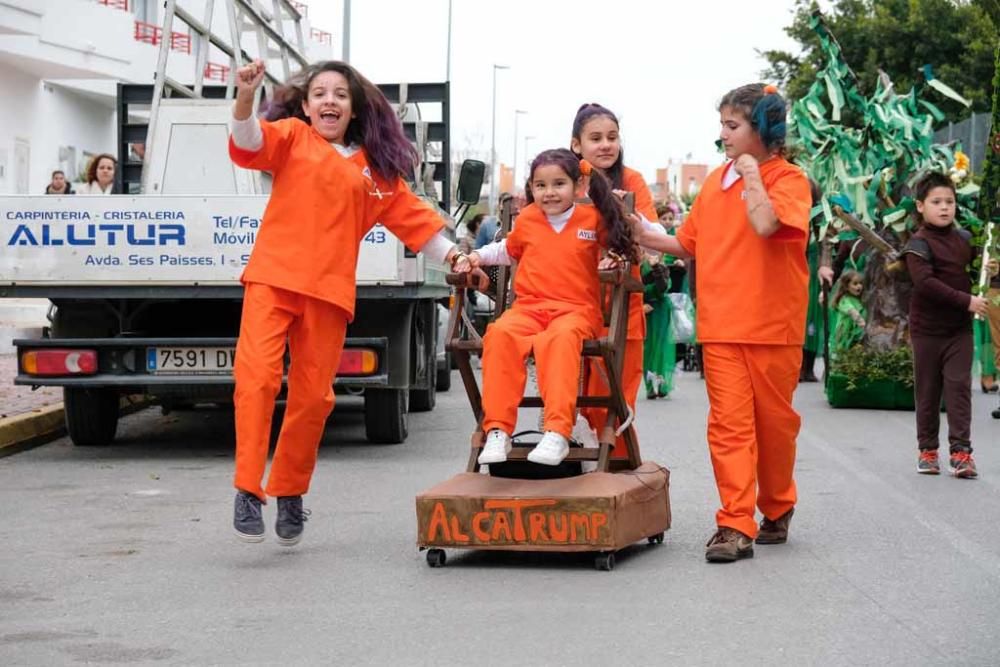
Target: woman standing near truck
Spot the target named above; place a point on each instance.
(337, 155)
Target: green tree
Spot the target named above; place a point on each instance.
(957, 38)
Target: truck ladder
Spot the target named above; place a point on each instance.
(254, 32)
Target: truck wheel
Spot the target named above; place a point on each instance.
(91, 416)
(423, 398)
(443, 380)
(385, 415)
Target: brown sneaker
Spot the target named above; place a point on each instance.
(727, 545)
(775, 532)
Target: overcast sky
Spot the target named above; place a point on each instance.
(660, 66)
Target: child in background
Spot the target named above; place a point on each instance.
(596, 138)
(557, 244)
(658, 354)
(941, 309)
(846, 303)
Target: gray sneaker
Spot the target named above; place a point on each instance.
(247, 519)
(291, 520)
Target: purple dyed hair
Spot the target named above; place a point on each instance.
(374, 127)
(585, 114)
(601, 194)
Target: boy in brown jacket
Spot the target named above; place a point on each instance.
(941, 307)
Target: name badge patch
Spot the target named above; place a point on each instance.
(586, 234)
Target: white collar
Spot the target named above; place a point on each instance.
(346, 151)
(561, 219)
(730, 175)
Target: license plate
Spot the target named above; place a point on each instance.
(190, 360)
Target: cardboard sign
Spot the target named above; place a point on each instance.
(519, 521)
(590, 512)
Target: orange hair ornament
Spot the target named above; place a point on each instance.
(585, 168)
(770, 89)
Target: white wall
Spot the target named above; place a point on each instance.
(48, 118)
(77, 39)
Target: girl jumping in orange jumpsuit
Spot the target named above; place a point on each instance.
(747, 232)
(557, 245)
(337, 153)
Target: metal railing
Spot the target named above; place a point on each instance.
(216, 71)
(321, 36)
(972, 133)
(150, 33)
(116, 4)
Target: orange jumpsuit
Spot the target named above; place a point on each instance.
(556, 309)
(300, 286)
(633, 182)
(752, 299)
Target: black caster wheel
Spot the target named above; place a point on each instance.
(604, 561)
(436, 557)
(656, 539)
(995, 414)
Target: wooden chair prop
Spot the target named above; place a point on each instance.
(464, 340)
(600, 511)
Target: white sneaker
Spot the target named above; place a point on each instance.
(582, 433)
(551, 450)
(496, 448)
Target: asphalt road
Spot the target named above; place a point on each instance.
(124, 555)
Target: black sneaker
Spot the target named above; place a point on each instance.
(247, 519)
(291, 520)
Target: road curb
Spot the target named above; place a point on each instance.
(45, 424)
(31, 428)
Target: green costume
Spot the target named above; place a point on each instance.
(984, 347)
(846, 332)
(658, 350)
(814, 314)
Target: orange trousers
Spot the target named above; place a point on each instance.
(556, 336)
(631, 381)
(752, 429)
(314, 331)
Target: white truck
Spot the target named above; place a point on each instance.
(145, 291)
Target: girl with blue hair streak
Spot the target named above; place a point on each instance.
(747, 233)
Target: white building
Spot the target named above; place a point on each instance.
(60, 62)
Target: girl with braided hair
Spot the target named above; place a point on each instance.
(596, 138)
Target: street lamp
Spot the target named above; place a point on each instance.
(493, 142)
(527, 155)
(513, 165)
(346, 48)
(447, 67)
